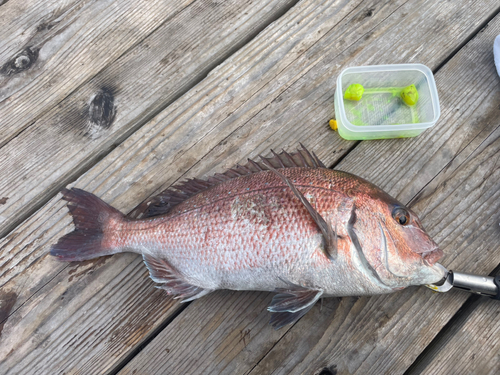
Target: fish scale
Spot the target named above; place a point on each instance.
(286, 224)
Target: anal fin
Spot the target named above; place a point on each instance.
(171, 280)
(291, 304)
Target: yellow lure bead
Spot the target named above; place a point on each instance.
(333, 124)
(354, 92)
(410, 95)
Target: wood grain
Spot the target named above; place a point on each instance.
(104, 341)
(73, 41)
(380, 316)
(470, 346)
(208, 123)
(67, 139)
(461, 211)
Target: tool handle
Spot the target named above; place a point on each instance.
(483, 285)
(496, 280)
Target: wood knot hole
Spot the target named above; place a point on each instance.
(21, 62)
(101, 111)
(332, 370)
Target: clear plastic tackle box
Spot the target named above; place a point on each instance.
(381, 112)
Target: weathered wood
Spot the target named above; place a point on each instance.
(222, 353)
(103, 341)
(380, 334)
(468, 203)
(67, 139)
(286, 56)
(460, 209)
(150, 159)
(47, 52)
(470, 346)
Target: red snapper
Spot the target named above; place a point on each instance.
(286, 224)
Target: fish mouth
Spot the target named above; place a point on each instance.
(431, 257)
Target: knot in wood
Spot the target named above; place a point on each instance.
(332, 370)
(101, 112)
(22, 61)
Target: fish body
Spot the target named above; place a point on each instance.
(287, 225)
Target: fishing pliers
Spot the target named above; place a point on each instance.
(487, 286)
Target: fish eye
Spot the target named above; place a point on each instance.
(401, 215)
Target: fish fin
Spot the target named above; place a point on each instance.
(289, 305)
(91, 215)
(330, 235)
(312, 155)
(162, 203)
(201, 293)
(280, 319)
(171, 280)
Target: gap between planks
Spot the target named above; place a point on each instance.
(192, 84)
(436, 71)
(86, 165)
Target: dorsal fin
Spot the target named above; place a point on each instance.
(169, 198)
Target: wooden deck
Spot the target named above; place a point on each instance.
(123, 98)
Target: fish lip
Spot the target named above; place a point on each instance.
(432, 256)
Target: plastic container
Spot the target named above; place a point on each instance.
(381, 113)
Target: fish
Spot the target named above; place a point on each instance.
(285, 224)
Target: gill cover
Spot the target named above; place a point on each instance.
(392, 240)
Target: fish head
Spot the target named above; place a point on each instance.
(393, 241)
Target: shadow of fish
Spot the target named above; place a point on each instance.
(286, 224)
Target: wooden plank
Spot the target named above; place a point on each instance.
(460, 209)
(453, 352)
(64, 142)
(232, 23)
(48, 52)
(286, 56)
(467, 200)
(335, 341)
(103, 342)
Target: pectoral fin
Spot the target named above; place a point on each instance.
(331, 237)
(289, 305)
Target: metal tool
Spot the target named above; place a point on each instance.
(487, 286)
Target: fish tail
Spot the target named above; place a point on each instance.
(91, 217)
